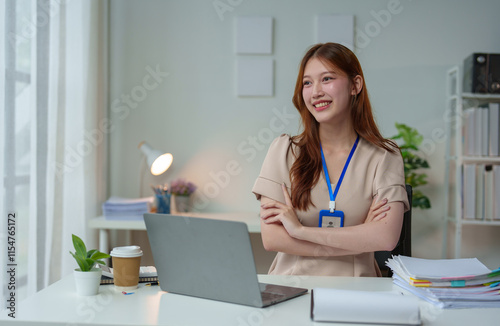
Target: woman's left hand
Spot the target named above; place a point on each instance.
(276, 212)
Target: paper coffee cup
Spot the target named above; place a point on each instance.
(126, 266)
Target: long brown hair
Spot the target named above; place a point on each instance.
(307, 168)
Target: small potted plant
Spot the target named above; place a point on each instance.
(413, 163)
(87, 277)
(181, 191)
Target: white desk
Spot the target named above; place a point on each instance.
(59, 303)
(104, 225)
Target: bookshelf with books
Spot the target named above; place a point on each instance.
(472, 160)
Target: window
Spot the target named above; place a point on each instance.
(44, 42)
(19, 116)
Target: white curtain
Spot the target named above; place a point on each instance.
(67, 131)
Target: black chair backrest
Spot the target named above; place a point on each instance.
(404, 245)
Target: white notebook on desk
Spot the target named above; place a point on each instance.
(367, 307)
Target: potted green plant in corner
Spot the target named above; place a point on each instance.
(87, 277)
(413, 162)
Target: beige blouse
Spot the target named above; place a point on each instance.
(372, 171)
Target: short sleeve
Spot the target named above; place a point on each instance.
(275, 170)
(390, 179)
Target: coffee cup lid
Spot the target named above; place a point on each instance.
(126, 251)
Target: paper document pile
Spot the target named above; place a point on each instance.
(118, 208)
(448, 283)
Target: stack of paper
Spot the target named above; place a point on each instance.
(448, 283)
(118, 208)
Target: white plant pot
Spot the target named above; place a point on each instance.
(87, 283)
(182, 203)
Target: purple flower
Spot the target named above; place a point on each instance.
(181, 187)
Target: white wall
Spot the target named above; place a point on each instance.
(194, 113)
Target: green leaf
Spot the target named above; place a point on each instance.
(90, 263)
(410, 136)
(423, 203)
(80, 249)
(410, 146)
(99, 255)
(420, 201)
(80, 262)
(416, 180)
(90, 253)
(414, 162)
(102, 262)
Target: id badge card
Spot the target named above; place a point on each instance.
(331, 220)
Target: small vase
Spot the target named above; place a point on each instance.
(87, 283)
(182, 203)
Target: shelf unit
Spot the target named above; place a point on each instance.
(456, 102)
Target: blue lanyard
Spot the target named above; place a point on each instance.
(333, 196)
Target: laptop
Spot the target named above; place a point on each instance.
(211, 259)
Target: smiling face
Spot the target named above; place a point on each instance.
(327, 92)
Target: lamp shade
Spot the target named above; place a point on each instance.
(157, 161)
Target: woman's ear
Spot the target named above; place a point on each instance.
(357, 85)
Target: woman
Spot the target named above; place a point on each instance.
(339, 134)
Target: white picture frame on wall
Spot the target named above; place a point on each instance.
(335, 28)
(254, 35)
(255, 76)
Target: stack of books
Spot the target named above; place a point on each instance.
(448, 283)
(118, 208)
(147, 274)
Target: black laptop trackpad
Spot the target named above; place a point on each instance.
(275, 292)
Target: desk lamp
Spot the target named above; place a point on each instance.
(157, 161)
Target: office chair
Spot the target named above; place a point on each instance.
(404, 244)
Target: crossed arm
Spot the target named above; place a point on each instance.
(282, 231)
